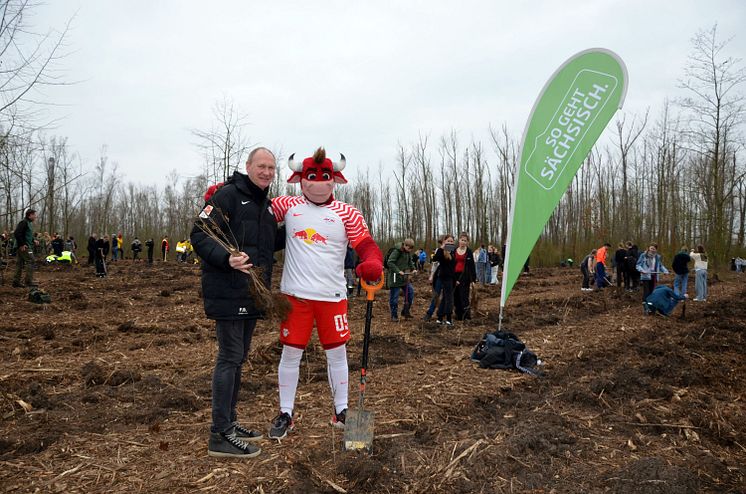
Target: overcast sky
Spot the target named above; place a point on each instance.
(357, 77)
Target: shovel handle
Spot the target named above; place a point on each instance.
(371, 289)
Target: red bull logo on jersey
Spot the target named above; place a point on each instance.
(310, 236)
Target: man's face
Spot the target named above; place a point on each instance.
(32, 217)
(261, 169)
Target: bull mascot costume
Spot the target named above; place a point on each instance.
(318, 230)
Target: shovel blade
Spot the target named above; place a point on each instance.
(358, 430)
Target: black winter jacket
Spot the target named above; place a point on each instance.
(252, 223)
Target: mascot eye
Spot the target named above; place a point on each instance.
(326, 176)
(311, 176)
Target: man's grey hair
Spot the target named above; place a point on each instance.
(256, 150)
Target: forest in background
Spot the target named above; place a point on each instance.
(674, 175)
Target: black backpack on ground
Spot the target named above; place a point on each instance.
(504, 350)
(39, 296)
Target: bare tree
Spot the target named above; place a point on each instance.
(715, 108)
(28, 59)
(224, 145)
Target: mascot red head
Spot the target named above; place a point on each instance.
(317, 176)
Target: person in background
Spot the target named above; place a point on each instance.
(633, 254)
(587, 267)
(620, 261)
(650, 265)
(663, 300)
(164, 248)
(101, 247)
(136, 249)
(92, 247)
(71, 245)
(114, 247)
(150, 243)
(399, 264)
(45, 244)
(481, 261)
(181, 251)
(435, 283)
(421, 259)
(24, 237)
(494, 260)
(700, 273)
(680, 266)
(445, 257)
(465, 275)
(58, 245)
(120, 245)
(105, 248)
(602, 259)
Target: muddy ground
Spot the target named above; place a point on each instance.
(107, 389)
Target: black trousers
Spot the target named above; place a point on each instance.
(234, 342)
(461, 300)
(446, 299)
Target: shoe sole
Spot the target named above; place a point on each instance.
(250, 439)
(220, 454)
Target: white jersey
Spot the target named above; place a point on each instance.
(316, 241)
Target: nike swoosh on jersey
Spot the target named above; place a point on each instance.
(245, 202)
(344, 334)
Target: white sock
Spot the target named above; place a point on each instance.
(339, 376)
(287, 377)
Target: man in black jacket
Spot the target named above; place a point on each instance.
(92, 248)
(24, 235)
(58, 245)
(244, 203)
(149, 243)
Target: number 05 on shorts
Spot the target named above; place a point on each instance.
(330, 317)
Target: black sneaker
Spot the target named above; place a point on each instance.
(281, 425)
(226, 445)
(246, 435)
(338, 419)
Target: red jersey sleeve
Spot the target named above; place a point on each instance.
(282, 204)
(353, 220)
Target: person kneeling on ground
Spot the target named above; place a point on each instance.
(664, 300)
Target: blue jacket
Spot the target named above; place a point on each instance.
(664, 299)
(644, 269)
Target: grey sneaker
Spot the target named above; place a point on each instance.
(281, 425)
(225, 445)
(246, 435)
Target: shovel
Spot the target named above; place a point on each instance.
(359, 424)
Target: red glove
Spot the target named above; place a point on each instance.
(211, 190)
(371, 267)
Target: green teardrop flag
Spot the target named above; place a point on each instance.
(568, 117)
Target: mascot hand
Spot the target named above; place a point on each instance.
(370, 271)
(211, 190)
(371, 267)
